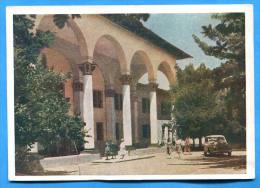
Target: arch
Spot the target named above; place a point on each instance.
(46, 24)
(117, 52)
(169, 71)
(71, 59)
(139, 59)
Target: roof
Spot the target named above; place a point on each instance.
(140, 30)
(214, 136)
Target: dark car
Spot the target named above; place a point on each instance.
(216, 144)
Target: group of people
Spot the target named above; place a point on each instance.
(179, 147)
(122, 152)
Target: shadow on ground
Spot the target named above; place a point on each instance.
(221, 161)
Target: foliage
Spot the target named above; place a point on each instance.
(213, 101)
(61, 20)
(229, 44)
(41, 111)
(196, 106)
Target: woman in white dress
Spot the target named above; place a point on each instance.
(122, 149)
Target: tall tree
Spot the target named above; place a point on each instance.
(228, 37)
(41, 111)
(197, 107)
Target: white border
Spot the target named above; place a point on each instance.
(250, 137)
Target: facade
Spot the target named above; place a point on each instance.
(106, 59)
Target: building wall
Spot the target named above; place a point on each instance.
(78, 39)
(60, 64)
(100, 113)
(144, 118)
(84, 33)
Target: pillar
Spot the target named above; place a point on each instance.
(78, 97)
(87, 108)
(110, 113)
(135, 116)
(127, 124)
(153, 113)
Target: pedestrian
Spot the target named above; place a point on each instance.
(179, 148)
(168, 148)
(107, 150)
(187, 146)
(122, 149)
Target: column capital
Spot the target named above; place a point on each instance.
(87, 66)
(153, 86)
(126, 79)
(77, 86)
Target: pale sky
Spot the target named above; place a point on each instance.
(178, 29)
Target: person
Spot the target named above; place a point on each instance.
(122, 149)
(187, 146)
(168, 148)
(179, 147)
(107, 150)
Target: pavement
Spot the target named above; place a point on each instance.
(118, 159)
(159, 164)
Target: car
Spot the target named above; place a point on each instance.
(216, 144)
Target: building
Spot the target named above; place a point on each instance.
(107, 58)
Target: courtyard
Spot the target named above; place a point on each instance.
(161, 164)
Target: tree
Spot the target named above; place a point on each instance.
(196, 106)
(41, 111)
(133, 20)
(228, 37)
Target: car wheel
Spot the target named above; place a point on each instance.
(229, 154)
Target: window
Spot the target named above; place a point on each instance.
(146, 131)
(118, 101)
(145, 105)
(118, 131)
(100, 131)
(166, 108)
(97, 99)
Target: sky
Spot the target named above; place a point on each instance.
(178, 29)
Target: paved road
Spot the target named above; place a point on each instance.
(160, 164)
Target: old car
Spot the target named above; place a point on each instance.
(216, 144)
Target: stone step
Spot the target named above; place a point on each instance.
(68, 160)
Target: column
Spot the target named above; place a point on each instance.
(87, 108)
(135, 116)
(110, 113)
(153, 113)
(127, 125)
(78, 97)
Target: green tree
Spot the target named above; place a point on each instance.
(133, 20)
(228, 37)
(41, 111)
(198, 106)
